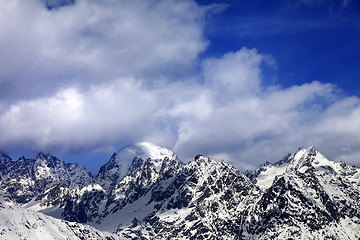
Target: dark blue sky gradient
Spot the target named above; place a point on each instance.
(308, 41)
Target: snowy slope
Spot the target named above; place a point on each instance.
(301, 161)
(19, 223)
(128, 197)
(204, 198)
(114, 190)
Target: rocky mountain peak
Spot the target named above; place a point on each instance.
(4, 156)
(48, 160)
(128, 159)
(201, 160)
(301, 161)
(310, 158)
(157, 154)
(41, 155)
(305, 154)
(5, 160)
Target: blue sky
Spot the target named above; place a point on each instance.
(245, 81)
(310, 40)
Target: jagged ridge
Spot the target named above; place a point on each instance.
(145, 191)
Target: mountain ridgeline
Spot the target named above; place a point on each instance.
(145, 192)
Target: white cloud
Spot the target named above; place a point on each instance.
(71, 119)
(266, 123)
(95, 41)
(234, 73)
(248, 128)
(99, 73)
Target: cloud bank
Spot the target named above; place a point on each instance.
(91, 75)
(91, 42)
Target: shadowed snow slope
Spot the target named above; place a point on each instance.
(20, 223)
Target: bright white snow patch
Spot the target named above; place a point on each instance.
(175, 214)
(266, 178)
(142, 150)
(156, 153)
(19, 223)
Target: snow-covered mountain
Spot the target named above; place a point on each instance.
(145, 192)
(202, 201)
(306, 196)
(21, 223)
(43, 184)
(119, 164)
(301, 161)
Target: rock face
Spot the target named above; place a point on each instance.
(203, 200)
(145, 192)
(43, 181)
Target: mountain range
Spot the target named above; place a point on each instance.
(145, 192)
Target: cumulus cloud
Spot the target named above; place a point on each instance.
(94, 41)
(246, 129)
(256, 122)
(71, 119)
(90, 75)
(237, 72)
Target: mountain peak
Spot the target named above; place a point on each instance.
(304, 152)
(4, 161)
(310, 157)
(42, 155)
(119, 165)
(145, 150)
(4, 155)
(150, 150)
(301, 161)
